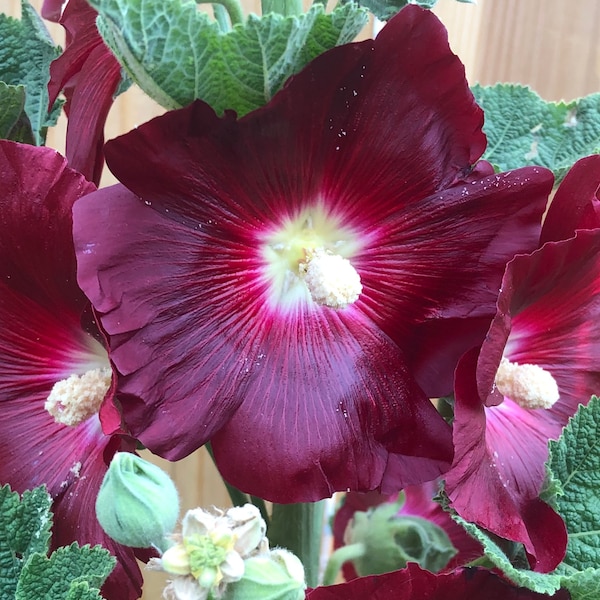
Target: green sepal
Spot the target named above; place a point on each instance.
(25, 525)
(26, 51)
(391, 540)
(523, 129)
(71, 572)
(177, 54)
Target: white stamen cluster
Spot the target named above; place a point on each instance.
(529, 386)
(331, 279)
(77, 398)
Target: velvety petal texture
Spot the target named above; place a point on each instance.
(88, 74)
(300, 400)
(413, 583)
(46, 334)
(576, 204)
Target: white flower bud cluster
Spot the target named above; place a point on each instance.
(210, 552)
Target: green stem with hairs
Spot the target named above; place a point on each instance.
(233, 8)
(339, 557)
(299, 527)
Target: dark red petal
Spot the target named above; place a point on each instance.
(436, 348)
(42, 340)
(88, 74)
(89, 102)
(36, 246)
(318, 399)
(390, 121)
(495, 478)
(52, 9)
(342, 413)
(576, 204)
(414, 583)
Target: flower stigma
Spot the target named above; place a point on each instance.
(308, 260)
(529, 386)
(331, 279)
(207, 555)
(75, 399)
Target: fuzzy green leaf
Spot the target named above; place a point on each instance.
(70, 573)
(176, 53)
(26, 51)
(575, 462)
(524, 130)
(14, 122)
(543, 583)
(25, 525)
(584, 585)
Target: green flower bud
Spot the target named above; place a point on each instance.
(137, 504)
(277, 575)
(391, 540)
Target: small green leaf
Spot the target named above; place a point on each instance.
(71, 572)
(82, 591)
(25, 525)
(584, 585)
(26, 51)
(575, 462)
(543, 583)
(14, 123)
(523, 129)
(176, 53)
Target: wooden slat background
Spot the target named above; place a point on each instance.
(551, 45)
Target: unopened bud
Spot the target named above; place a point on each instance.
(137, 504)
(391, 540)
(277, 575)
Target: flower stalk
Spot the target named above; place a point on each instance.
(298, 528)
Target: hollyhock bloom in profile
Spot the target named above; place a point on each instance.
(258, 277)
(414, 583)
(416, 501)
(540, 360)
(51, 359)
(88, 74)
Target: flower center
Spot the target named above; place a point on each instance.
(207, 553)
(330, 278)
(307, 259)
(529, 386)
(77, 398)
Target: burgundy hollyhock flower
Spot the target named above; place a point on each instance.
(258, 277)
(414, 583)
(47, 340)
(540, 360)
(88, 74)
